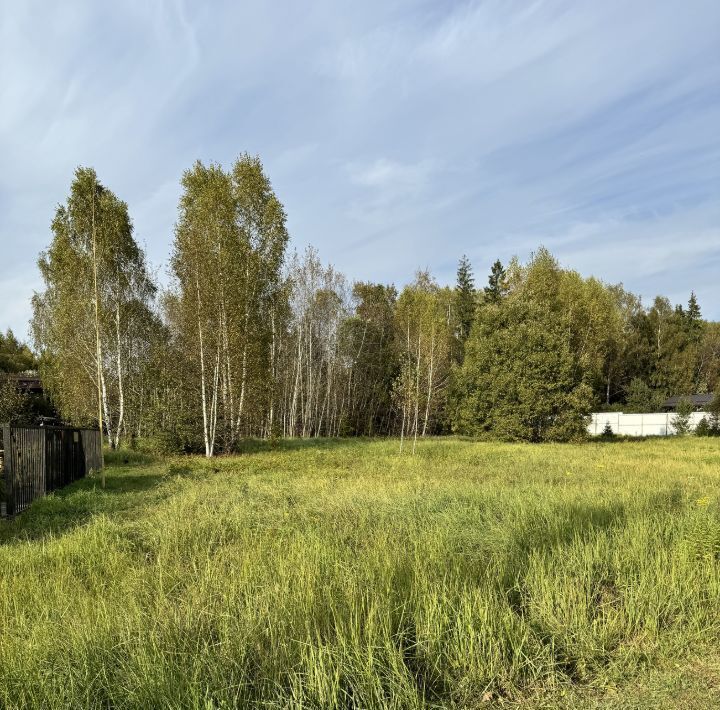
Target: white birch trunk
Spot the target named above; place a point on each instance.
(121, 388)
(430, 380)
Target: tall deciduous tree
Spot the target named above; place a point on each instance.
(314, 374)
(95, 312)
(424, 328)
(264, 238)
(531, 357)
(207, 258)
(230, 241)
(369, 350)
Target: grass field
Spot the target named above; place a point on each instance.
(342, 574)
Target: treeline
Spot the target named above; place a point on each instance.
(16, 404)
(250, 340)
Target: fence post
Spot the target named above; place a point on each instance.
(9, 492)
(4, 441)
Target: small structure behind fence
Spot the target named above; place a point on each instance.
(651, 424)
(37, 460)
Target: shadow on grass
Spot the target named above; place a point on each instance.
(75, 505)
(132, 482)
(622, 439)
(255, 446)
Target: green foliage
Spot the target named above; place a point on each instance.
(15, 356)
(248, 344)
(530, 358)
(607, 432)
(497, 283)
(682, 418)
(94, 320)
(368, 342)
(230, 242)
(641, 397)
(465, 301)
(713, 411)
(703, 428)
(424, 336)
(335, 574)
(15, 407)
(693, 316)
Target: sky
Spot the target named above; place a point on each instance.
(399, 135)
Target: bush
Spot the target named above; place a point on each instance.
(703, 428)
(14, 405)
(173, 442)
(714, 413)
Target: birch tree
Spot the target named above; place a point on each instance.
(425, 332)
(260, 219)
(87, 322)
(314, 394)
(227, 261)
(204, 262)
(370, 352)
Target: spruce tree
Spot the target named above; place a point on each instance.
(693, 309)
(495, 289)
(682, 421)
(464, 299)
(693, 318)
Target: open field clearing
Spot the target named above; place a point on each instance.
(342, 574)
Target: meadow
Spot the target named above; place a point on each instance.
(337, 574)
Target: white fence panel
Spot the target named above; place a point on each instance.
(646, 424)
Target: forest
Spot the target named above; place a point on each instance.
(252, 339)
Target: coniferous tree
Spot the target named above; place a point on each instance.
(693, 318)
(693, 309)
(682, 419)
(14, 355)
(496, 287)
(465, 302)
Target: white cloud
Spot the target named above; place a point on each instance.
(384, 174)
(411, 129)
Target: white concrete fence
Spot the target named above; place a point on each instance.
(651, 424)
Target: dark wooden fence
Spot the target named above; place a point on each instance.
(37, 460)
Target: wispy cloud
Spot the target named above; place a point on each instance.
(414, 130)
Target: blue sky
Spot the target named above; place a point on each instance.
(399, 135)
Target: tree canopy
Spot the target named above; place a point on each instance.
(250, 340)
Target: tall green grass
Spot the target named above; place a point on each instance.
(342, 574)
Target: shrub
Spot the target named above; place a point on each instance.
(166, 442)
(714, 414)
(703, 428)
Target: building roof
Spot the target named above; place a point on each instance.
(697, 400)
(28, 381)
